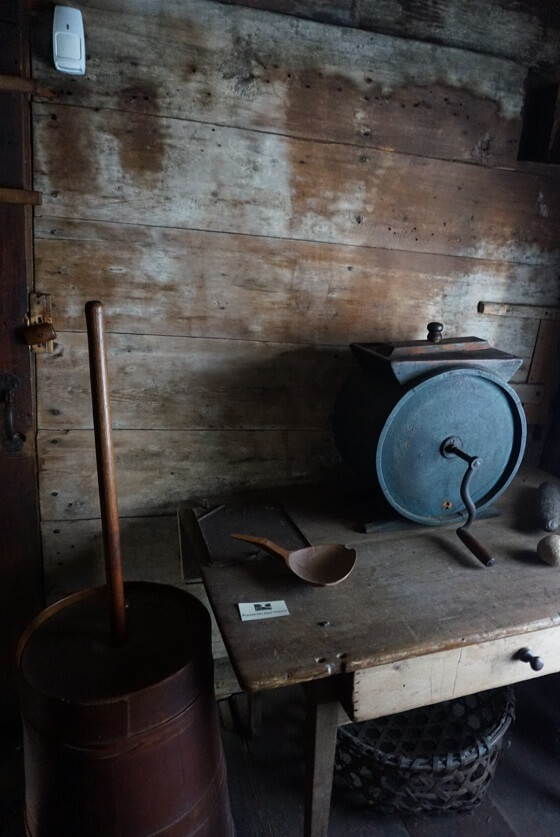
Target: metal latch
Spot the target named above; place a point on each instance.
(13, 441)
(39, 334)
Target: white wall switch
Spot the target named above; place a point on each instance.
(69, 48)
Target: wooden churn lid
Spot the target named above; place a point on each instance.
(91, 689)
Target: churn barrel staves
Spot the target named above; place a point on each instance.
(121, 734)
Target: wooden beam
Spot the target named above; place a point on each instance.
(20, 196)
(508, 309)
(16, 84)
(20, 554)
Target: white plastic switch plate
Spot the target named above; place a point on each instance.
(69, 49)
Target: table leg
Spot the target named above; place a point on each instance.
(322, 719)
(246, 711)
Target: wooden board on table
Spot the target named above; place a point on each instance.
(419, 595)
(137, 168)
(273, 74)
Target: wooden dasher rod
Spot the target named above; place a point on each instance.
(102, 422)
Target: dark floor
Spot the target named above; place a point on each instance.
(266, 779)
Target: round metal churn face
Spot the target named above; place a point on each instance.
(469, 403)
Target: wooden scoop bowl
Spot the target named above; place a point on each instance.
(320, 565)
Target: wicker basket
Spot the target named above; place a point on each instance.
(436, 758)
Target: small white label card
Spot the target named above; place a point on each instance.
(262, 610)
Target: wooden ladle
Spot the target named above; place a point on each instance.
(320, 565)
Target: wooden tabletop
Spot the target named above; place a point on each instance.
(410, 593)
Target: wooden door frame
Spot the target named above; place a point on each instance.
(21, 573)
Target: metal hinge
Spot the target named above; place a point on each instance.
(39, 333)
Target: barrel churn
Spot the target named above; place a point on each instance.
(121, 734)
(414, 415)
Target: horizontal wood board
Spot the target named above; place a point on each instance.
(418, 595)
(178, 383)
(156, 470)
(529, 30)
(167, 172)
(201, 284)
(279, 75)
(182, 383)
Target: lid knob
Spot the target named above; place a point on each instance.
(434, 332)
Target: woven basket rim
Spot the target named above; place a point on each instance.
(438, 762)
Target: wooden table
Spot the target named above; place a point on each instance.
(418, 621)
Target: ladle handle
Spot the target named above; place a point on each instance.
(106, 476)
(264, 543)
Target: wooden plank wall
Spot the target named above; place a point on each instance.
(247, 193)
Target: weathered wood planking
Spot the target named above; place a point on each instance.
(183, 383)
(73, 553)
(157, 470)
(547, 349)
(180, 282)
(135, 168)
(280, 75)
(171, 383)
(528, 32)
(390, 608)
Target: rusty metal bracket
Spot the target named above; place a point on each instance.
(39, 333)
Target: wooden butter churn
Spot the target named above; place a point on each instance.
(121, 734)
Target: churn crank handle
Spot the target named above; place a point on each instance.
(450, 448)
(106, 476)
(474, 545)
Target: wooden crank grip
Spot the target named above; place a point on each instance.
(106, 476)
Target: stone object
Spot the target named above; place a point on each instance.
(548, 550)
(548, 506)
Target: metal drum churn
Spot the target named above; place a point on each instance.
(121, 734)
(433, 426)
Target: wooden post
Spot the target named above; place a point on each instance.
(323, 714)
(21, 571)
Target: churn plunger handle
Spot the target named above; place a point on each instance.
(449, 448)
(106, 475)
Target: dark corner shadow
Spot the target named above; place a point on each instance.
(41, 30)
(526, 556)
(525, 510)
